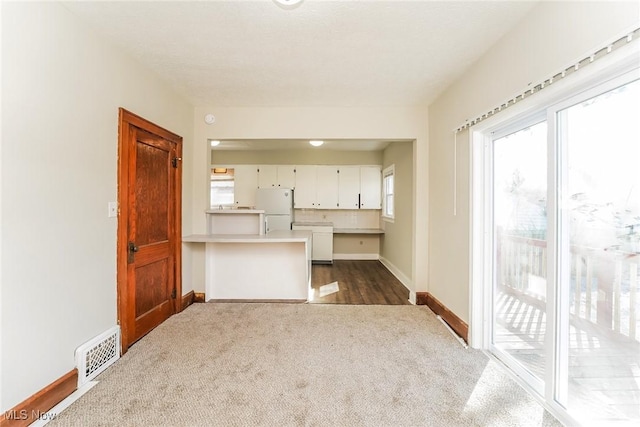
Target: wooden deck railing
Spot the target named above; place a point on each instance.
(604, 284)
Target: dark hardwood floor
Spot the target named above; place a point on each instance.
(358, 282)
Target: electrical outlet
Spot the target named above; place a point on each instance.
(113, 209)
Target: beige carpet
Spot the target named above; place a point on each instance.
(303, 365)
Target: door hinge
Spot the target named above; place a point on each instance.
(175, 161)
(173, 293)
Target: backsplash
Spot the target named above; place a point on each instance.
(340, 218)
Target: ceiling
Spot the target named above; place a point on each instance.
(322, 53)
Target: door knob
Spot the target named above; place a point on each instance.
(132, 249)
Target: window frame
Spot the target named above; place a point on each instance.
(212, 180)
(387, 172)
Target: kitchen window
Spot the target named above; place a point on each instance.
(388, 192)
(222, 187)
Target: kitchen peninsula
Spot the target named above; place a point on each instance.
(270, 267)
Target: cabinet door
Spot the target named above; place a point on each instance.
(245, 185)
(322, 247)
(304, 196)
(267, 176)
(370, 187)
(286, 176)
(327, 187)
(348, 187)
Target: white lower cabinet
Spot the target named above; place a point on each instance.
(322, 240)
(322, 247)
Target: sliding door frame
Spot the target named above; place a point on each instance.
(559, 254)
(505, 129)
(553, 99)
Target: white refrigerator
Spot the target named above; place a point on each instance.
(277, 204)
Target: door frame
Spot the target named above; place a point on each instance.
(589, 83)
(126, 121)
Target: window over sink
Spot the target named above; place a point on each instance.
(222, 187)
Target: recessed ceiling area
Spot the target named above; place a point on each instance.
(303, 144)
(319, 54)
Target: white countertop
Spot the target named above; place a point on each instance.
(278, 236)
(234, 211)
(358, 231)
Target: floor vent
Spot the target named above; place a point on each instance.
(98, 354)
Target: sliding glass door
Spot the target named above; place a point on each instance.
(520, 233)
(598, 140)
(564, 201)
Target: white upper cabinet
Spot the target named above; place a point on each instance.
(370, 187)
(245, 185)
(286, 176)
(348, 187)
(273, 176)
(327, 187)
(304, 195)
(315, 186)
(267, 176)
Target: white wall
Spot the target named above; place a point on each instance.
(312, 123)
(61, 89)
(553, 36)
(396, 250)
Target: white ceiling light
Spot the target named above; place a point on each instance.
(214, 142)
(316, 142)
(288, 4)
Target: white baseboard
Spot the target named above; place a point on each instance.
(412, 297)
(356, 256)
(408, 283)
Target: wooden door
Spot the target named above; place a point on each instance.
(149, 226)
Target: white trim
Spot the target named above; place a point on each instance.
(366, 256)
(510, 127)
(407, 282)
(388, 171)
(554, 409)
(481, 246)
(559, 259)
(412, 298)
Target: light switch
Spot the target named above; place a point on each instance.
(113, 209)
